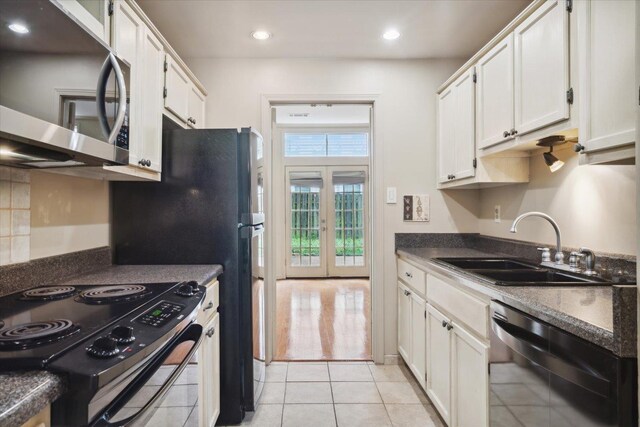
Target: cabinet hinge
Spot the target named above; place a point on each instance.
(475, 163)
(570, 96)
(166, 66)
(569, 6)
(425, 314)
(110, 8)
(475, 76)
(489, 369)
(164, 92)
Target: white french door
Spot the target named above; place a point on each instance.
(327, 221)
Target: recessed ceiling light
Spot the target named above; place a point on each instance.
(261, 35)
(391, 35)
(18, 28)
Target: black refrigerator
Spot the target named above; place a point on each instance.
(207, 210)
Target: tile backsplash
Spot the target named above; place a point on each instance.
(15, 215)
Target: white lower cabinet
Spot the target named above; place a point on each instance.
(209, 374)
(438, 362)
(457, 372)
(469, 380)
(411, 331)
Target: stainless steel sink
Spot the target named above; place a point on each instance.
(514, 272)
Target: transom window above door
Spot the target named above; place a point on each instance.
(348, 144)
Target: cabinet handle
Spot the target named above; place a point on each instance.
(444, 323)
(142, 162)
(505, 133)
(209, 306)
(514, 131)
(147, 162)
(407, 293)
(409, 275)
(210, 332)
(449, 326)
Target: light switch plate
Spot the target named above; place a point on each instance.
(391, 195)
(496, 213)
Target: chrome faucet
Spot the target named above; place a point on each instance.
(559, 257)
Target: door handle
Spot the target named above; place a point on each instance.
(210, 332)
(209, 306)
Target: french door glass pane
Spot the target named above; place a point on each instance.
(349, 220)
(305, 226)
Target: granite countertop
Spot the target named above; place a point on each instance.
(599, 314)
(23, 394)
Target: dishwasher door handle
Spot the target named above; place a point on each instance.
(519, 343)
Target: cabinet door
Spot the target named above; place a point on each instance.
(196, 108)
(608, 94)
(446, 134)
(470, 380)
(177, 86)
(494, 106)
(465, 126)
(438, 362)
(404, 322)
(541, 46)
(93, 14)
(149, 145)
(209, 375)
(418, 338)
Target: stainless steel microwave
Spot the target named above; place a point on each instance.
(63, 92)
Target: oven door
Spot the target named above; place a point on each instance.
(141, 398)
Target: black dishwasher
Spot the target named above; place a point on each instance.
(541, 375)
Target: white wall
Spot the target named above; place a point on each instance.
(595, 206)
(407, 130)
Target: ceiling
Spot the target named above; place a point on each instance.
(330, 29)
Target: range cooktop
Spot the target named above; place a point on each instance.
(40, 324)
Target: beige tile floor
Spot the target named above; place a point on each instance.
(318, 394)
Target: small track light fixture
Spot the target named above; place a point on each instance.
(550, 160)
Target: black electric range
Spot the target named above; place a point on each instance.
(106, 340)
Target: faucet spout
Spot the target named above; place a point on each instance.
(559, 257)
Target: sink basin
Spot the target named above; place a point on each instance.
(487, 263)
(514, 272)
(538, 277)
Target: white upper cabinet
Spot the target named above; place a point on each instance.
(541, 47)
(177, 88)
(495, 96)
(608, 94)
(456, 129)
(196, 108)
(150, 147)
(92, 14)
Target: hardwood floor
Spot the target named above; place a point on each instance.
(323, 319)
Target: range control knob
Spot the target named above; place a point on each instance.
(103, 347)
(186, 290)
(123, 334)
(194, 286)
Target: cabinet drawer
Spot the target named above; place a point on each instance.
(412, 276)
(210, 303)
(468, 309)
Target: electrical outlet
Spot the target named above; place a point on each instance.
(496, 213)
(391, 195)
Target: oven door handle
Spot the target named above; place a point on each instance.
(192, 333)
(549, 361)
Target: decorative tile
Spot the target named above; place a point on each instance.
(20, 222)
(397, 392)
(20, 195)
(307, 372)
(362, 415)
(20, 248)
(5, 194)
(5, 250)
(20, 175)
(410, 416)
(273, 393)
(5, 223)
(350, 373)
(355, 392)
(315, 392)
(316, 415)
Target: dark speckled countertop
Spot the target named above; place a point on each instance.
(603, 315)
(24, 394)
